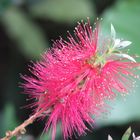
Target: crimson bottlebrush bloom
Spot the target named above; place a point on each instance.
(74, 79)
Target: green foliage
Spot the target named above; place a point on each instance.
(125, 18)
(127, 134)
(7, 119)
(20, 28)
(20, 25)
(63, 10)
(123, 109)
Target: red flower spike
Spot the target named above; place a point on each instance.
(75, 77)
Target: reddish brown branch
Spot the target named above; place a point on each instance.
(20, 129)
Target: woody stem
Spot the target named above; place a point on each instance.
(21, 128)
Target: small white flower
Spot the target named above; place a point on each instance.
(117, 42)
(135, 138)
(110, 138)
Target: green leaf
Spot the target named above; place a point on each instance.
(8, 119)
(124, 109)
(29, 37)
(127, 134)
(124, 16)
(63, 10)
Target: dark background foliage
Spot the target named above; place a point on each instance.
(26, 30)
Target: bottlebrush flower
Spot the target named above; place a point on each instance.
(74, 79)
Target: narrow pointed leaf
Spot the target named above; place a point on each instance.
(126, 56)
(63, 10)
(127, 134)
(113, 32)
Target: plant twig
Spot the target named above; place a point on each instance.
(20, 130)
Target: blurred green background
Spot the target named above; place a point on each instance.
(26, 30)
